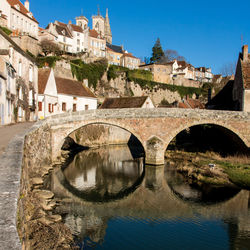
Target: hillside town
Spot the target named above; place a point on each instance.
(30, 90)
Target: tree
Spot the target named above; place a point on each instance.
(157, 52)
(228, 69)
(49, 47)
(170, 55)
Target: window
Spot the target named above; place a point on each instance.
(74, 107)
(31, 97)
(20, 93)
(64, 106)
(50, 108)
(40, 106)
(20, 68)
(86, 107)
(20, 113)
(64, 39)
(31, 73)
(78, 41)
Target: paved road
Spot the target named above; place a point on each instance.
(9, 131)
(11, 147)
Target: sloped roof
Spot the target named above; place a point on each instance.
(63, 31)
(43, 76)
(115, 48)
(246, 74)
(123, 102)
(76, 28)
(16, 47)
(129, 55)
(94, 33)
(191, 104)
(72, 87)
(23, 10)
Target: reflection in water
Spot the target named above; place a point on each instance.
(103, 174)
(145, 207)
(202, 192)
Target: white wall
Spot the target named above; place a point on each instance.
(80, 102)
(5, 8)
(23, 23)
(148, 104)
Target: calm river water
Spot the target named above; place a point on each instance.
(111, 200)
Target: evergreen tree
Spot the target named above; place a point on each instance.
(157, 52)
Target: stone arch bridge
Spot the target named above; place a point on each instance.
(154, 128)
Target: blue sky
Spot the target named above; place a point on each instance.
(206, 33)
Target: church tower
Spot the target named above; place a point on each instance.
(82, 21)
(98, 23)
(108, 34)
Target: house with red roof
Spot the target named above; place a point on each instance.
(19, 17)
(58, 95)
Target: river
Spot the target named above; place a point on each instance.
(111, 200)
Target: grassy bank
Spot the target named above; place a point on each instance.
(235, 169)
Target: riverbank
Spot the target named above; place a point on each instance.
(212, 168)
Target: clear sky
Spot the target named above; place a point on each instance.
(206, 33)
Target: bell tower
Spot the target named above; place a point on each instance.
(98, 23)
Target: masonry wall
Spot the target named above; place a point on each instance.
(247, 100)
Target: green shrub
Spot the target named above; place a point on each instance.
(6, 30)
(92, 71)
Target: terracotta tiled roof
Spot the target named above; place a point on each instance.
(123, 102)
(63, 31)
(43, 76)
(246, 74)
(23, 10)
(76, 28)
(71, 87)
(129, 55)
(61, 24)
(191, 104)
(93, 33)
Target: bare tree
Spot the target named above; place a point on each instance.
(49, 47)
(170, 55)
(228, 69)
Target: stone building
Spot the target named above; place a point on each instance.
(130, 61)
(18, 97)
(241, 88)
(21, 21)
(102, 26)
(97, 45)
(58, 95)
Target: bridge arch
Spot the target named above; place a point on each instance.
(235, 132)
(105, 123)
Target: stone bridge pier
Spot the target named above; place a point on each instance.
(154, 128)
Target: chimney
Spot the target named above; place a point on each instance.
(70, 22)
(27, 5)
(245, 52)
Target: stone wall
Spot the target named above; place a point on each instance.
(35, 219)
(99, 134)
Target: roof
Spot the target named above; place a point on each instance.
(123, 102)
(16, 47)
(63, 85)
(129, 55)
(94, 33)
(22, 10)
(72, 87)
(115, 48)
(76, 28)
(63, 31)
(191, 103)
(43, 76)
(246, 74)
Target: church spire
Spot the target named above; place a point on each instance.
(108, 34)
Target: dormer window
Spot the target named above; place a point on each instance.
(17, 6)
(63, 32)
